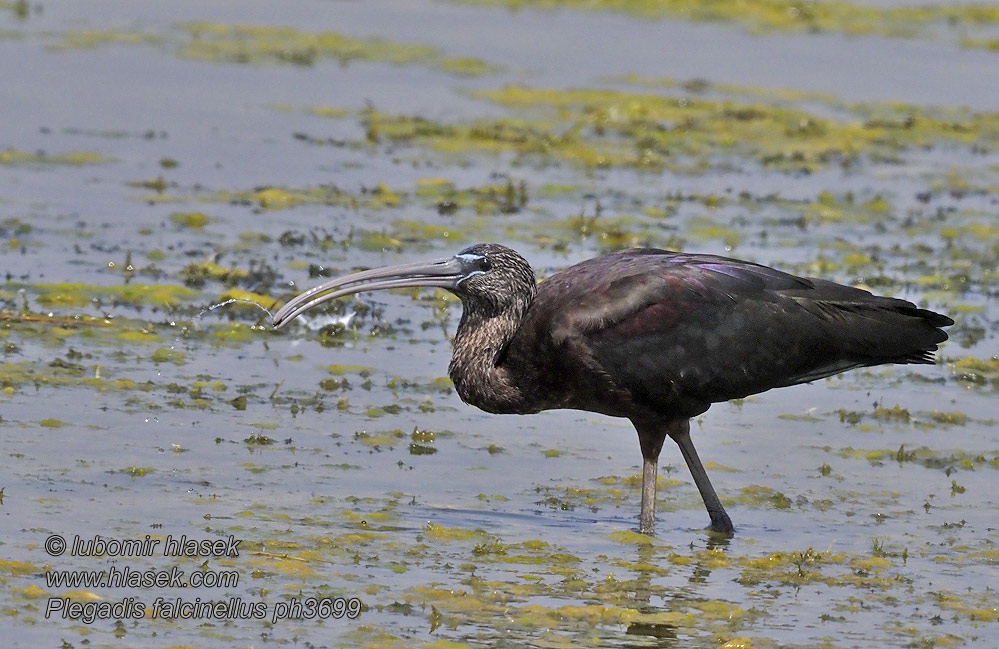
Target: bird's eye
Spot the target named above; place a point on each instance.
(485, 264)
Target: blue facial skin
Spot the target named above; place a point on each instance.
(469, 258)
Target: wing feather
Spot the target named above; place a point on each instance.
(679, 331)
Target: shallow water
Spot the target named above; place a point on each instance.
(152, 165)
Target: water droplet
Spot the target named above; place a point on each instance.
(235, 299)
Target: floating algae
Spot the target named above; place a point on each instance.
(836, 16)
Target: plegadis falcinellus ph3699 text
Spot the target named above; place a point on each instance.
(651, 335)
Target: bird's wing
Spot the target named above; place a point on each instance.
(679, 331)
(616, 292)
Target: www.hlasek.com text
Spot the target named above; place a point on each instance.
(126, 577)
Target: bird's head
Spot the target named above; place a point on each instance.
(489, 278)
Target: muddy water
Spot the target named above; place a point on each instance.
(156, 160)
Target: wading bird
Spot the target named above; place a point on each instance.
(651, 335)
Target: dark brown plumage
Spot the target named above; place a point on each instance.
(651, 335)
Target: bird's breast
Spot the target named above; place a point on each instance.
(492, 390)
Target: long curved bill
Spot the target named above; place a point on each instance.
(441, 273)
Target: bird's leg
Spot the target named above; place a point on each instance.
(647, 521)
(651, 438)
(679, 430)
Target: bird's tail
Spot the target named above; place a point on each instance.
(886, 330)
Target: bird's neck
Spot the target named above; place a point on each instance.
(479, 377)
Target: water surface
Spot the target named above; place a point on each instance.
(158, 159)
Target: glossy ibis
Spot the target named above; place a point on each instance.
(651, 335)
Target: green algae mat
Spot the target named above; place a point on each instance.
(175, 473)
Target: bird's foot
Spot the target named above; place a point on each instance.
(721, 523)
(646, 526)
